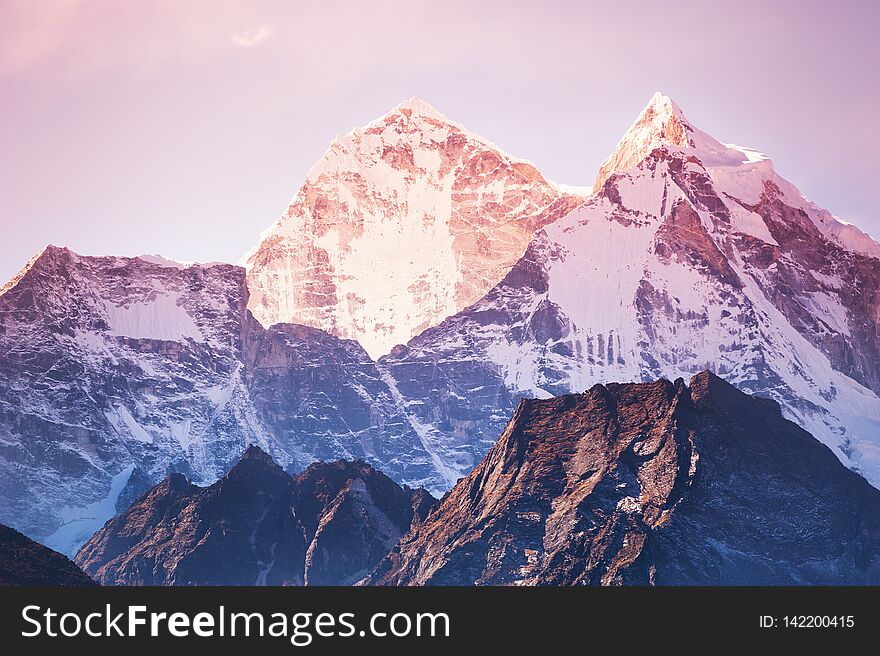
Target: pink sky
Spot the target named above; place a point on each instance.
(184, 127)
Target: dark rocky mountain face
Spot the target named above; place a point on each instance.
(257, 526)
(321, 398)
(650, 483)
(24, 562)
(351, 517)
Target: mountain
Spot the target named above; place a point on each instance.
(691, 255)
(115, 372)
(650, 483)
(257, 525)
(737, 170)
(401, 224)
(24, 562)
(108, 365)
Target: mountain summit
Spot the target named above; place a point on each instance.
(690, 255)
(661, 123)
(399, 225)
(739, 171)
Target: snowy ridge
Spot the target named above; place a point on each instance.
(692, 255)
(737, 171)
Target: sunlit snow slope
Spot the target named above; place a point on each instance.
(692, 255)
(401, 224)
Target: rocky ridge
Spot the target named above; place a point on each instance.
(648, 484)
(257, 525)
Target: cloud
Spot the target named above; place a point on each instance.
(254, 37)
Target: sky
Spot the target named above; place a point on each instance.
(184, 127)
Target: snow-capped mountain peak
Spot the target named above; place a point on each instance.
(660, 123)
(691, 255)
(739, 172)
(412, 123)
(27, 267)
(402, 223)
(115, 371)
(417, 107)
(663, 123)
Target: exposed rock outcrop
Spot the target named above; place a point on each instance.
(651, 483)
(257, 526)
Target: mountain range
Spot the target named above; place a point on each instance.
(697, 257)
(657, 483)
(660, 483)
(420, 283)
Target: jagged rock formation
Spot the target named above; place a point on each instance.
(651, 483)
(257, 526)
(401, 224)
(24, 562)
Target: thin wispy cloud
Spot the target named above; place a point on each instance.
(254, 37)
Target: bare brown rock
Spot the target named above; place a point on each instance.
(650, 483)
(257, 526)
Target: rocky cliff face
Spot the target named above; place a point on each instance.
(23, 562)
(401, 224)
(696, 256)
(109, 364)
(322, 398)
(257, 526)
(652, 483)
(351, 517)
(115, 372)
